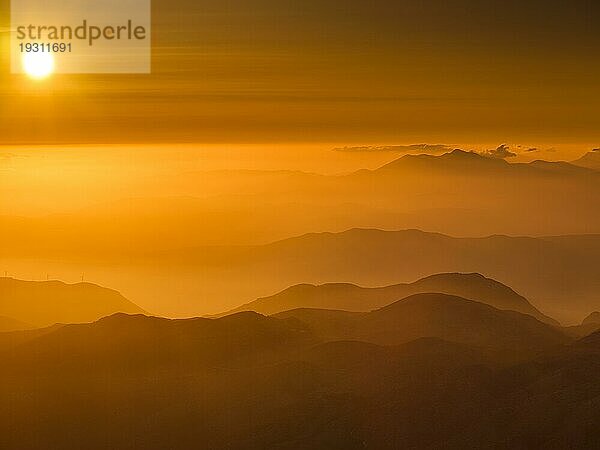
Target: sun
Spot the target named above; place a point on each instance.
(38, 65)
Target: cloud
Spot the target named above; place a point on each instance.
(502, 152)
(414, 148)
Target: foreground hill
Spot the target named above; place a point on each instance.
(43, 303)
(143, 342)
(248, 381)
(508, 334)
(349, 297)
(557, 398)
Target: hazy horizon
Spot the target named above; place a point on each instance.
(299, 225)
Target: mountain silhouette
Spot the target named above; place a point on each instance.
(561, 167)
(456, 160)
(469, 163)
(460, 193)
(353, 355)
(557, 274)
(143, 341)
(350, 297)
(451, 318)
(8, 324)
(589, 325)
(12, 339)
(44, 303)
(555, 396)
(590, 160)
(592, 319)
(248, 381)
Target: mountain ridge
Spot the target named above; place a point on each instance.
(171, 383)
(591, 160)
(472, 163)
(10, 324)
(45, 303)
(513, 335)
(350, 297)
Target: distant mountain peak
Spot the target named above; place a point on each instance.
(362, 232)
(455, 160)
(466, 162)
(121, 317)
(458, 153)
(466, 275)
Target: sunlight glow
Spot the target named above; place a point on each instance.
(38, 65)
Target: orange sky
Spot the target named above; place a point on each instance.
(327, 71)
